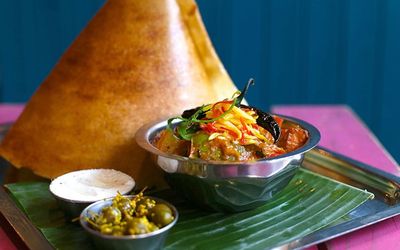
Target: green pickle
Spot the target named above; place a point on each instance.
(161, 215)
(139, 215)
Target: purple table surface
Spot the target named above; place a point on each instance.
(10, 112)
(342, 131)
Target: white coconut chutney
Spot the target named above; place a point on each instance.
(91, 185)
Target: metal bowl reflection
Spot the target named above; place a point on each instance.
(227, 186)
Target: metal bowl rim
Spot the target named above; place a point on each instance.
(79, 202)
(127, 237)
(143, 134)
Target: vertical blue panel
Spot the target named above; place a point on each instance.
(41, 41)
(11, 50)
(217, 16)
(246, 47)
(380, 34)
(390, 85)
(303, 50)
(323, 42)
(361, 55)
(341, 50)
(284, 57)
(280, 66)
(34, 34)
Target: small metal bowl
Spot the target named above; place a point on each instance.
(73, 207)
(227, 186)
(149, 241)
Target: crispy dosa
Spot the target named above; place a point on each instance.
(136, 61)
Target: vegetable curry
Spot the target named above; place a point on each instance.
(229, 131)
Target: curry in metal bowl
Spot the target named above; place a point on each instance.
(229, 131)
(227, 156)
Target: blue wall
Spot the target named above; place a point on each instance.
(299, 52)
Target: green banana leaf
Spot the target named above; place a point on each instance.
(309, 203)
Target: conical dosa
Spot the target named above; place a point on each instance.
(136, 61)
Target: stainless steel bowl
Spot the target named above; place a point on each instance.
(71, 204)
(150, 241)
(227, 186)
(71, 208)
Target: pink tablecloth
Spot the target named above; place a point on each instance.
(9, 112)
(5, 242)
(342, 131)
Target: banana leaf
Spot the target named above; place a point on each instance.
(308, 203)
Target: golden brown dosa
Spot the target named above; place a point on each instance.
(135, 61)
